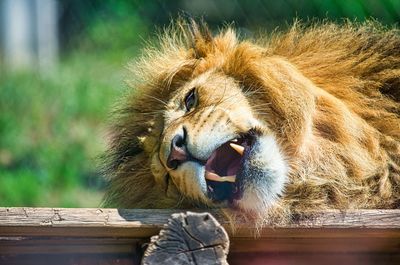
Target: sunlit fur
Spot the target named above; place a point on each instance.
(329, 94)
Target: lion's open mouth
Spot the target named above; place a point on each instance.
(222, 169)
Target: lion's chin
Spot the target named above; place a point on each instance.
(258, 183)
(264, 174)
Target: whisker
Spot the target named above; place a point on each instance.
(261, 113)
(262, 104)
(157, 99)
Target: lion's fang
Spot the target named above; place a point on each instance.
(237, 148)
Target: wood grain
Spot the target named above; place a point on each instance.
(143, 222)
(49, 231)
(190, 238)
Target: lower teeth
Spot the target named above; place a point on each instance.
(215, 177)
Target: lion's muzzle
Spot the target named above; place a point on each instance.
(178, 153)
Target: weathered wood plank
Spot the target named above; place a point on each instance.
(81, 222)
(376, 229)
(150, 218)
(331, 237)
(70, 259)
(143, 223)
(325, 258)
(66, 245)
(238, 245)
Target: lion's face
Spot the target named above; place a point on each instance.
(214, 148)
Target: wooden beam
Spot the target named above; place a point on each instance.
(60, 230)
(142, 223)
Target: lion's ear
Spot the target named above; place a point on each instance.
(197, 35)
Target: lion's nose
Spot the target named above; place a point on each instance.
(178, 153)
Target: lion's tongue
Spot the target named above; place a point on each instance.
(223, 164)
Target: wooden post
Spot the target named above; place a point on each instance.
(189, 238)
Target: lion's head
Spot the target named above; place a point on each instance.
(218, 122)
(216, 147)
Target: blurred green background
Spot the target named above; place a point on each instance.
(53, 123)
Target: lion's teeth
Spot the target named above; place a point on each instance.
(212, 176)
(216, 177)
(237, 148)
(234, 140)
(229, 178)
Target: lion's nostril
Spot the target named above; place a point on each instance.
(173, 164)
(178, 141)
(178, 153)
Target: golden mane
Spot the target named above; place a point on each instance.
(341, 138)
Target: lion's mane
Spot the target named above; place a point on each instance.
(343, 146)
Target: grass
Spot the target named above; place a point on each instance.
(52, 134)
(53, 125)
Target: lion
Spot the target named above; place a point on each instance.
(302, 120)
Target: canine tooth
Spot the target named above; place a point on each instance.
(234, 140)
(237, 148)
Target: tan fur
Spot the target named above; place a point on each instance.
(329, 93)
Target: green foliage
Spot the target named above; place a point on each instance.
(53, 125)
(19, 188)
(51, 132)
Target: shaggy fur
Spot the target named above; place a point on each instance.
(330, 93)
